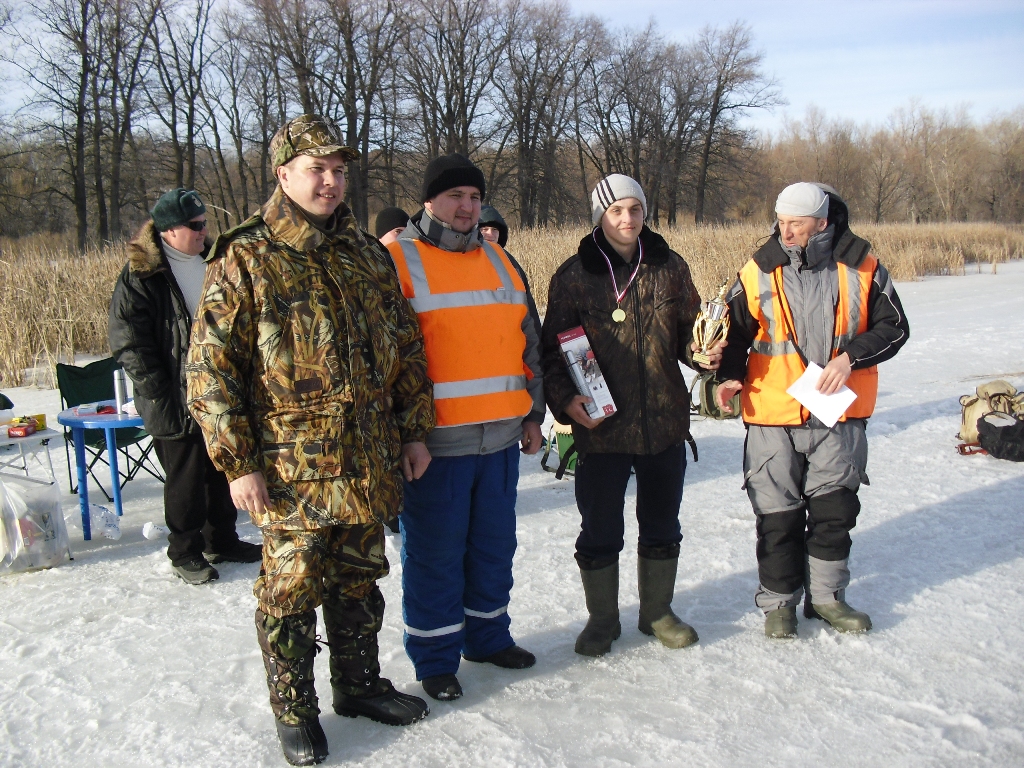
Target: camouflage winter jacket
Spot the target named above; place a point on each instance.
(639, 357)
(307, 364)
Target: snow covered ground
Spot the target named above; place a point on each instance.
(111, 661)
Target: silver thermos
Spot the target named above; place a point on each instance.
(120, 389)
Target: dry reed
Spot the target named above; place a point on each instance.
(54, 301)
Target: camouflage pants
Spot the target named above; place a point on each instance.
(300, 567)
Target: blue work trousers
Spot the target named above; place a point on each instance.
(458, 541)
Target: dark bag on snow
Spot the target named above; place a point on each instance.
(1002, 436)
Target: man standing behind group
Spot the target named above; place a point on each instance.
(635, 299)
(813, 293)
(308, 376)
(459, 522)
(151, 313)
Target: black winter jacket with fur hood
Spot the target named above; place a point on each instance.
(639, 357)
(148, 330)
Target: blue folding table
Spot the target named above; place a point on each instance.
(109, 423)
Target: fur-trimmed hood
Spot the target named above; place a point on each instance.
(145, 254)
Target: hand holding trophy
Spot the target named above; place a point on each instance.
(711, 325)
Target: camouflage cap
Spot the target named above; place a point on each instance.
(307, 135)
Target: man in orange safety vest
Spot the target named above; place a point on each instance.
(482, 338)
(813, 294)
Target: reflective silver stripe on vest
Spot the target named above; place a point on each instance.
(853, 295)
(488, 614)
(764, 297)
(422, 300)
(414, 263)
(770, 348)
(773, 348)
(470, 387)
(499, 266)
(466, 299)
(449, 630)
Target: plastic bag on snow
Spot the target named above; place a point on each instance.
(32, 530)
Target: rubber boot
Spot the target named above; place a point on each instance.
(656, 580)
(839, 614)
(780, 623)
(601, 588)
(289, 647)
(358, 688)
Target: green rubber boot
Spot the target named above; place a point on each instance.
(839, 614)
(781, 623)
(601, 588)
(656, 580)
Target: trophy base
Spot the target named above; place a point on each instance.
(702, 358)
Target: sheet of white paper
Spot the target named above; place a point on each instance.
(828, 408)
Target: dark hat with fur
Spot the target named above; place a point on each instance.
(175, 208)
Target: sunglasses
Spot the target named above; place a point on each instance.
(195, 226)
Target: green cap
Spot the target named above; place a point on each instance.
(175, 208)
(307, 135)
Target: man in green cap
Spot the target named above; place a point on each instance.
(308, 376)
(151, 311)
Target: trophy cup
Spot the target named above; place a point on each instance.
(711, 325)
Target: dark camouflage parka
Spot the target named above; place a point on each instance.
(639, 357)
(307, 364)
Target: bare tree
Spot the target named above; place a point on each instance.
(738, 85)
(883, 174)
(182, 52)
(450, 54)
(546, 52)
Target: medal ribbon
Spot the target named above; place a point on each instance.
(615, 286)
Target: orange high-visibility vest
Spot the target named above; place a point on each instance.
(470, 307)
(774, 365)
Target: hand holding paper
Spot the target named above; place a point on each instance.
(828, 408)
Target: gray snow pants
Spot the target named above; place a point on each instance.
(802, 483)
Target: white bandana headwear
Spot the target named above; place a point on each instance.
(803, 199)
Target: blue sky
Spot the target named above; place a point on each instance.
(860, 59)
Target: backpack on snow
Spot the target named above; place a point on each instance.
(992, 397)
(706, 385)
(1002, 436)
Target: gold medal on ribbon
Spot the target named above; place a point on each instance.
(619, 314)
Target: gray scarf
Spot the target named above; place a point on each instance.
(439, 234)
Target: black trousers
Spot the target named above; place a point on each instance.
(601, 480)
(822, 530)
(197, 500)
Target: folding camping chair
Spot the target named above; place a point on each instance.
(91, 384)
(560, 438)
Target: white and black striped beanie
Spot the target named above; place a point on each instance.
(612, 188)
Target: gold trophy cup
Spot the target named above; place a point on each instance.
(711, 325)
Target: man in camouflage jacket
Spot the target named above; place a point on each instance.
(308, 377)
(635, 299)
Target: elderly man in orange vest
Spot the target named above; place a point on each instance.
(814, 293)
(482, 340)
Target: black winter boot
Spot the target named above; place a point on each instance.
(601, 588)
(656, 579)
(359, 690)
(289, 646)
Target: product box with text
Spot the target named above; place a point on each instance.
(586, 372)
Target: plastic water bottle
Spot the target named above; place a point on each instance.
(104, 522)
(155, 531)
(120, 389)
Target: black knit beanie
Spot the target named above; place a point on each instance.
(449, 171)
(388, 219)
(175, 208)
